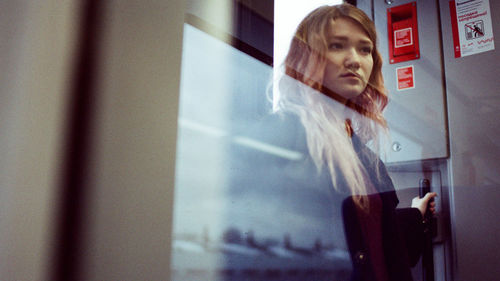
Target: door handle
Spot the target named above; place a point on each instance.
(429, 232)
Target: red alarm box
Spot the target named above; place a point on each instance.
(402, 30)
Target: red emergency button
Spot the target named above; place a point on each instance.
(403, 33)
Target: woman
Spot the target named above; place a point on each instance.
(333, 85)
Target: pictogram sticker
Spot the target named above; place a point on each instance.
(471, 27)
(474, 29)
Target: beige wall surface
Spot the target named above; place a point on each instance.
(36, 60)
(132, 167)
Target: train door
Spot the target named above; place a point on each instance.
(228, 222)
(227, 75)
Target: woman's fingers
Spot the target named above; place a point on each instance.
(432, 205)
(423, 203)
(429, 196)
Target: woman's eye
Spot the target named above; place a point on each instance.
(335, 46)
(366, 50)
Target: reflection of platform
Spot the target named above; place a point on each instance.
(238, 249)
(187, 246)
(191, 261)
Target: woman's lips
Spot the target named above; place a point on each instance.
(349, 74)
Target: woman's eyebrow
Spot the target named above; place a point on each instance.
(346, 38)
(337, 37)
(366, 41)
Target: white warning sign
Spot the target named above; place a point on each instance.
(405, 77)
(403, 37)
(471, 27)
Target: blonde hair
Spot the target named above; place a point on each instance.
(301, 92)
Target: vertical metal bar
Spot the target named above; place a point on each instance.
(427, 256)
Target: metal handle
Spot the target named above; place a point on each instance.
(427, 255)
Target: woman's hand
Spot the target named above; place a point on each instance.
(421, 203)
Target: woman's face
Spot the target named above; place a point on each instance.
(349, 58)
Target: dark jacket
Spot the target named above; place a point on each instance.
(402, 230)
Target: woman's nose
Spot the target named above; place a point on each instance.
(352, 59)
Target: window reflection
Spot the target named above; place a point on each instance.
(251, 203)
(234, 215)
